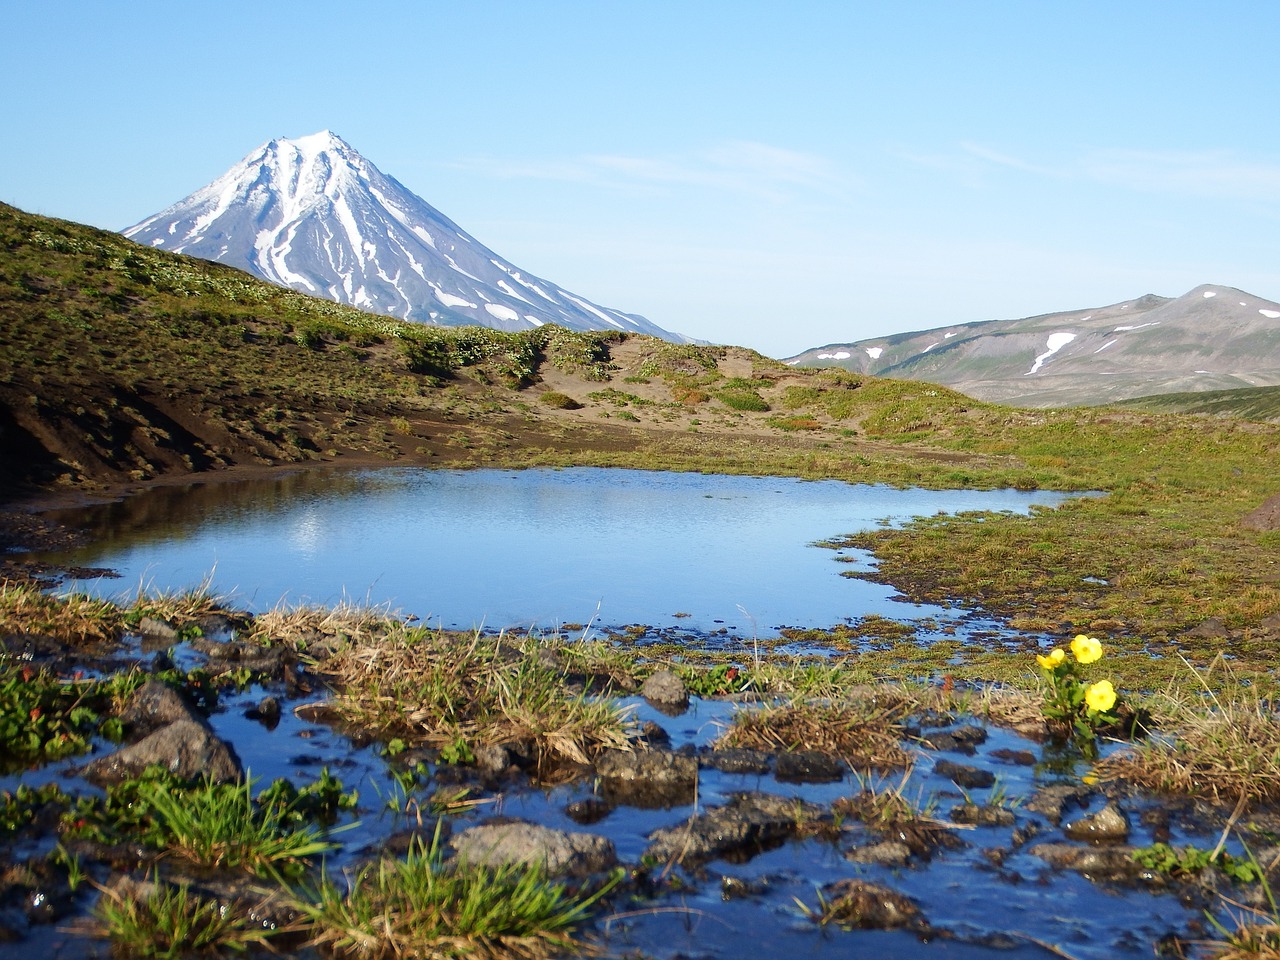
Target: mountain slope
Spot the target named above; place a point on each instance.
(1212, 338)
(314, 215)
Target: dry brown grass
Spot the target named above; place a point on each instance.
(443, 689)
(1252, 941)
(76, 618)
(1218, 742)
(301, 627)
(866, 733)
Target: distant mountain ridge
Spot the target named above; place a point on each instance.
(314, 215)
(1211, 338)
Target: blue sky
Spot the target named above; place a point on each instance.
(778, 175)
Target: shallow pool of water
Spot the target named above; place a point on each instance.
(521, 549)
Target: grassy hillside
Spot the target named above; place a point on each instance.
(1249, 403)
(122, 363)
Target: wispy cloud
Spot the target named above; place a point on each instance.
(1209, 173)
(1205, 173)
(756, 169)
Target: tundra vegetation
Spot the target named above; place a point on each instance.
(120, 364)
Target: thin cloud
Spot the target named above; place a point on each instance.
(1210, 173)
(1207, 173)
(743, 167)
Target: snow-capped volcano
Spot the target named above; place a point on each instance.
(314, 215)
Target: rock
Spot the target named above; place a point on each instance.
(1265, 517)
(491, 758)
(502, 844)
(963, 739)
(588, 810)
(155, 705)
(185, 748)
(654, 736)
(748, 824)
(736, 888)
(887, 853)
(649, 779)
(653, 766)
(982, 815)
(963, 775)
(1211, 629)
(1098, 863)
(863, 905)
(1019, 758)
(266, 712)
(666, 689)
(1108, 825)
(1051, 801)
(808, 766)
(735, 760)
(155, 628)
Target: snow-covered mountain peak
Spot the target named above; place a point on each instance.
(311, 213)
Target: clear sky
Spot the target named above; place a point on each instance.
(778, 175)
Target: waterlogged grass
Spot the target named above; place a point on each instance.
(442, 690)
(865, 733)
(420, 906)
(167, 921)
(1218, 741)
(215, 825)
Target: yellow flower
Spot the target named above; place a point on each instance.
(1100, 697)
(1053, 659)
(1086, 649)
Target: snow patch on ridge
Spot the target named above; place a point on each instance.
(449, 300)
(500, 312)
(1270, 314)
(874, 352)
(1055, 343)
(838, 355)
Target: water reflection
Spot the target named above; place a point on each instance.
(521, 548)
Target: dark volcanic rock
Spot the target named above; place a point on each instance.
(750, 823)
(187, 749)
(1108, 825)
(963, 775)
(808, 766)
(588, 810)
(982, 815)
(1098, 863)
(648, 778)
(736, 760)
(155, 705)
(886, 853)
(864, 905)
(664, 688)
(500, 844)
(1052, 800)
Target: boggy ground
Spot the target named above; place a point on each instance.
(732, 806)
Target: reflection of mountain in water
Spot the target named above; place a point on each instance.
(176, 513)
